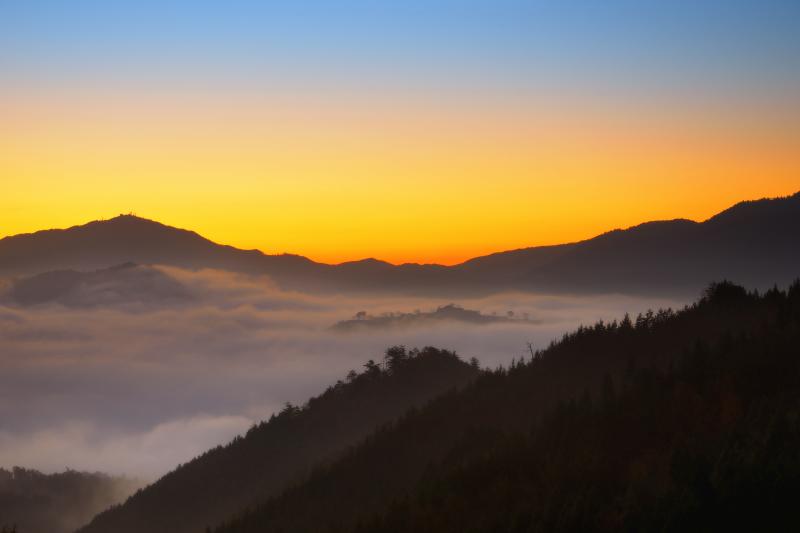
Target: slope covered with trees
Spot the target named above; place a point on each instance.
(672, 421)
(272, 454)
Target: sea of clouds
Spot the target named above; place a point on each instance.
(138, 385)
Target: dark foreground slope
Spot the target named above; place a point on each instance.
(755, 243)
(56, 503)
(226, 479)
(675, 421)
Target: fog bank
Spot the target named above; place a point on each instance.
(103, 380)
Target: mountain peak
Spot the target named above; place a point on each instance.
(129, 220)
(367, 262)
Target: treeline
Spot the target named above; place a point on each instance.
(33, 502)
(283, 450)
(445, 313)
(671, 421)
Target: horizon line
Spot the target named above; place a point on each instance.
(133, 214)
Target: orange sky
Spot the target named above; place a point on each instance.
(401, 177)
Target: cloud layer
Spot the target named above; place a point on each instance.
(138, 385)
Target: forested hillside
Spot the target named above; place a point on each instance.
(672, 421)
(272, 454)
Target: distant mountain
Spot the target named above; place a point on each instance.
(754, 243)
(57, 503)
(130, 239)
(122, 284)
(672, 421)
(446, 313)
(274, 454)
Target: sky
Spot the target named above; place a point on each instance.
(421, 131)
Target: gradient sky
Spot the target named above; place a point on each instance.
(420, 130)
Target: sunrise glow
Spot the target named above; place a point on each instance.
(342, 157)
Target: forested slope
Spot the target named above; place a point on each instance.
(672, 421)
(272, 454)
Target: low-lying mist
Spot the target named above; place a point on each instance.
(60, 502)
(103, 378)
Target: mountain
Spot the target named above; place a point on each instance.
(754, 243)
(56, 503)
(121, 284)
(674, 421)
(283, 450)
(130, 239)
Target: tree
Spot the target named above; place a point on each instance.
(395, 356)
(372, 368)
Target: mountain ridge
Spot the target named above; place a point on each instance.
(752, 242)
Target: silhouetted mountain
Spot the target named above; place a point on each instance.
(754, 243)
(445, 313)
(56, 503)
(130, 239)
(682, 421)
(272, 454)
(121, 284)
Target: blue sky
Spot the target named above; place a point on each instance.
(500, 42)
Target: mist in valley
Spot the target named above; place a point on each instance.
(134, 374)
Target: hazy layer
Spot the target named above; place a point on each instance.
(137, 387)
